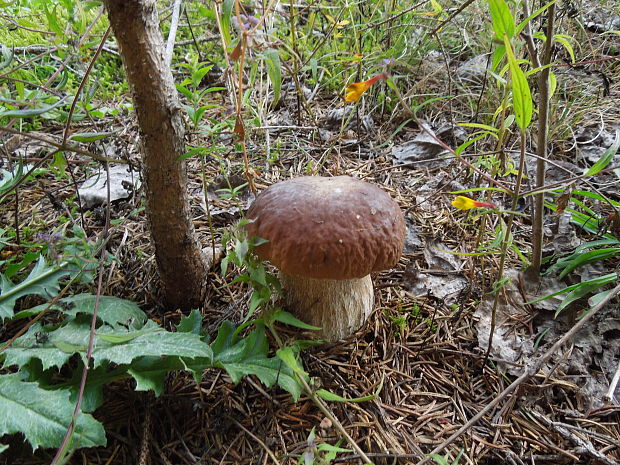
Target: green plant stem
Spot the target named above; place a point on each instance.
(323, 407)
(543, 127)
(505, 242)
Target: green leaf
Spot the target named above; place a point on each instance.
(606, 158)
(589, 257)
(602, 279)
(584, 289)
(191, 323)
(112, 310)
(150, 372)
(122, 338)
(290, 357)
(43, 280)
(288, 319)
(43, 416)
(521, 94)
(542, 9)
(227, 8)
(54, 347)
(274, 70)
(503, 21)
(565, 41)
(199, 74)
(30, 112)
(324, 447)
(152, 340)
(331, 397)
(91, 136)
(440, 460)
(248, 356)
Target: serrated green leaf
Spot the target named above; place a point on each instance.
(112, 310)
(43, 280)
(606, 158)
(152, 341)
(191, 323)
(248, 356)
(61, 343)
(43, 416)
(150, 372)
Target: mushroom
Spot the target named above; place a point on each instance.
(326, 235)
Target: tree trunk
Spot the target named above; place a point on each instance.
(181, 263)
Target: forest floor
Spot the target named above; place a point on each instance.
(423, 349)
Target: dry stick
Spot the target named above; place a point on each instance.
(543, 125)
(612, 386)
(257, 439)
(174, 25)
(65, 134)
(572, 437)
(91, 337)
(528, 373)
(58, 145)
(396, 16)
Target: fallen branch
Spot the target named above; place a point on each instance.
(527, 374)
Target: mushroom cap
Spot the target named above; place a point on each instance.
(327, 228)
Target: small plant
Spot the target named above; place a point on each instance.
(445, 460)
(319, 454)
(128, 345)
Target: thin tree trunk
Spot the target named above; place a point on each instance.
(181, 263)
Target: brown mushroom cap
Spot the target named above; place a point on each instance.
(327, 228)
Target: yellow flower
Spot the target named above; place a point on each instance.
(354, 91)
(465, 203)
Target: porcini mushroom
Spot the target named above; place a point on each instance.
(326, 235)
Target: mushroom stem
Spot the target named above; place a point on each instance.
(338, 306)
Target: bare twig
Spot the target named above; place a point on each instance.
(612, 386)
(174, 25)
(91, 338)
(586, 445)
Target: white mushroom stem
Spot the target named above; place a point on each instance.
(338, 306)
